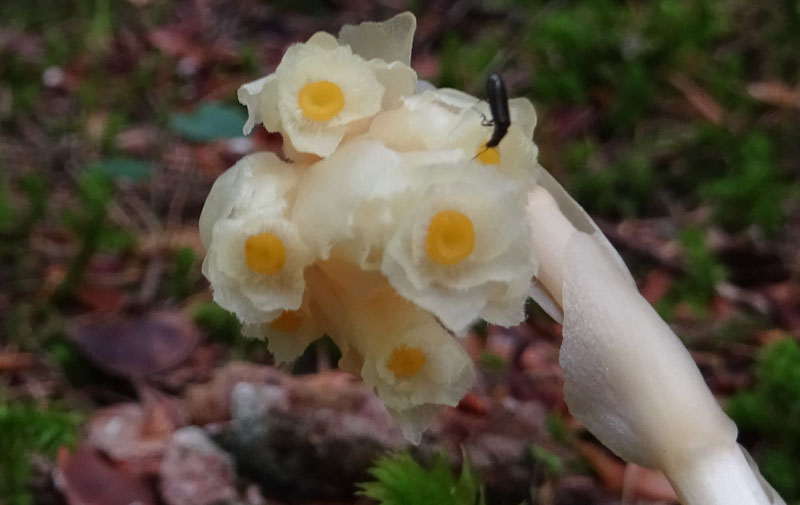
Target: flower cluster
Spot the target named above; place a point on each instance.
(388, 224)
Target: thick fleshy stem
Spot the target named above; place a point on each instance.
(628, 378)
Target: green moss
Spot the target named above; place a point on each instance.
(219, 324)
(183, 273)
(400, 480)
(27, 431)
(771, 411)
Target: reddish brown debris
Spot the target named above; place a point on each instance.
(137, 346)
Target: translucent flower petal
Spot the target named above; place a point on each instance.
(423, 122)
(249, 95)
(257, 180)
(381, 326)
(415, 420)
(398, 80)
(333, 190)
(389, 40)
(252, 296)
(449, 119)
(447, 372)
(289, 334)
(499, 267)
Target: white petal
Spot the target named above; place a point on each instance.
(285, 346)
(256, 180)
(268, 105)
(315, 140)
(722, 476)
(545, 300)
(248, 95)
(398, 79)
(523, 115)
(362, 90)
(424, 122)
(494, 276)
(323, 40)
(389, 40)
(334, 188)
(253, 297)
(376, 322)
(423, 86)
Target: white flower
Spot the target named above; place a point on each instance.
(322, 91)
(450, 119)
(289, 334)
(415, 366)
(334, 188)
(257, 180)
(255, 264)
(461, 247)
(350, 201)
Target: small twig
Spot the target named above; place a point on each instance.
(151, 280)
(13, 361)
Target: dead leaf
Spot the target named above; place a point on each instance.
(637, 482)
(137, 346)
(138, 140)
(647, 484)
(775, 93)
(656, 285)
(12, 361)
(473, 404)
(198, 367)
(85, 478)
(785, 301)
(121, 432)
(699, 98)
(99, 297)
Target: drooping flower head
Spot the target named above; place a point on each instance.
(392, 229)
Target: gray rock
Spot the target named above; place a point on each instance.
(194, 471)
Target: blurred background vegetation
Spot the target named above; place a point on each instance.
(675, 123)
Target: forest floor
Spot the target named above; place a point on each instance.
(674, 123)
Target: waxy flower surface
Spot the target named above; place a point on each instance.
(323, 91)
(255, 256)
(392, 227)
(289, 333)
(455, 252)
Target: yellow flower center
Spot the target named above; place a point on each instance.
(320, 100)
(451, 237)
(289, 321)
(264, 253)
(406, 361)
(490, 156)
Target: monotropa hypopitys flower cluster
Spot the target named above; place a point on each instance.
(386, 224)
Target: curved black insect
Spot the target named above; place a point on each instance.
(498, 105)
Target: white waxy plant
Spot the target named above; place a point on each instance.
(392, 227)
